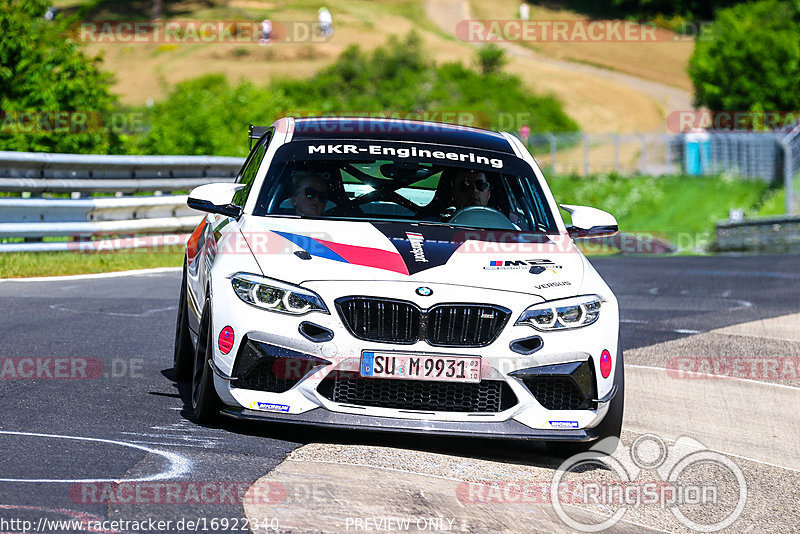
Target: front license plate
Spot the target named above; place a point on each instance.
(411, 366)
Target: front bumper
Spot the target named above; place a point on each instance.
(303, 403)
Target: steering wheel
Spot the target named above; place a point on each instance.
(481, 216)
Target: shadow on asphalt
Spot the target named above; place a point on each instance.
(490, 449)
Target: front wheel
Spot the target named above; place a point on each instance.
(205, 401)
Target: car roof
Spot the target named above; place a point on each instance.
(399, 130)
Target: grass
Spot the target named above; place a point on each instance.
(680, 208)
(25, 264)
(775, 202)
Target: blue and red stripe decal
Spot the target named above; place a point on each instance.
(438, 245)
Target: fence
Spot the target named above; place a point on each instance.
(584, 154)
(75, 220)
(749, 155)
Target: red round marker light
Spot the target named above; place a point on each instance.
(605, 363)
(226, 340)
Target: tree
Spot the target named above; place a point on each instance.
(751, 62)
(53, 97)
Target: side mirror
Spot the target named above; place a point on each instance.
(216, 198)
(590, 222)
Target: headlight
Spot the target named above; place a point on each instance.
(274, 295)
(573, 312)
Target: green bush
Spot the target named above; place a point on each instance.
(491, 59)
(752, 61)
(207, 116)
(43, 72)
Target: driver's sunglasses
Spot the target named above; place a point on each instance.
(480, 185)
(312, 193)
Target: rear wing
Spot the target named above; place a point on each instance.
(255, 133)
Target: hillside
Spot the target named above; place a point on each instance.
(593, 80)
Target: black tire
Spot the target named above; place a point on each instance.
(609, 427)
(183, 353)
(205, 401)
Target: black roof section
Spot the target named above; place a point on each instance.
(399, 130)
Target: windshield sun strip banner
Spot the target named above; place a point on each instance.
(361, 150)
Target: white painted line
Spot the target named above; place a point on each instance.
(715, 377)
(146, 313)
(167, 436)
(135, 272)
(178, 465)
(677, 330)
(165, 444)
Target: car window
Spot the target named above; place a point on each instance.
(455, 186)
(249, 171)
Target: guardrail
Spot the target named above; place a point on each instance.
(774, 234)
(80, 219)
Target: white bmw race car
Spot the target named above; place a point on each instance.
(402, 276)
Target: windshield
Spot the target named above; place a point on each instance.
(384, 181)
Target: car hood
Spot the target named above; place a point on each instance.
(306, 250)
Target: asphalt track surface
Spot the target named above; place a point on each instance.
(111, 410)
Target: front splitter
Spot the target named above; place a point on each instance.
(321, 417)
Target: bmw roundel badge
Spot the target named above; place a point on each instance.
(424, 291)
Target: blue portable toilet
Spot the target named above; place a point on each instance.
(697, 151)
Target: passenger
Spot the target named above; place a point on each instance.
(310, 194)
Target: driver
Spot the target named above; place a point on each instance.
(470, 188)
(310, 194)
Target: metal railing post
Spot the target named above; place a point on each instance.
(788, 178)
